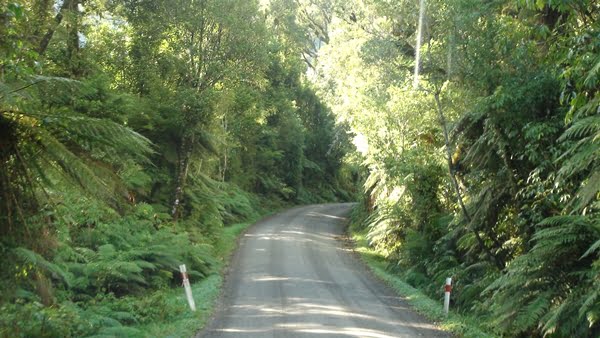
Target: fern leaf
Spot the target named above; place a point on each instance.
(592, 76)
(99, 132)
(530, 314)
(41, 263)
(582, 128)
(589, 190)
(591, 300)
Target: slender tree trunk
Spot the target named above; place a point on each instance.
(67, 4)
(419, 38)
(465, 212)
(225, 160)
(449, 56)
(41, 10)
(225, 151)
(73, 24)
(184, 163)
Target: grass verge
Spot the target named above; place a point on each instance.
(182, 322)
(459, 325)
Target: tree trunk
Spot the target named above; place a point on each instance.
(442, 119)
(184, 163)
(419, 38)
(225, 152)
(73, 24)
(67, 4)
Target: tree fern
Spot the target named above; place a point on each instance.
(54, 270)
(580, 92)
(585, 127)
(116, 141)
(529, 315)
(547, 287)
(40, 143)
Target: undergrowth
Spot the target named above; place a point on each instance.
(117, 276)
(458, 324)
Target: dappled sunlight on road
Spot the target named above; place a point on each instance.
(295, 278)
(305, 315)
(291, 279)
(294, 236)
(320, 215)
(277, 237)
(349, 331)
(292, 319)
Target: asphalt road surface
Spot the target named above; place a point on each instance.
(293, 275)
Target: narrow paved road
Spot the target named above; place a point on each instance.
(293, 276)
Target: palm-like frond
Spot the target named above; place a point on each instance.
(104, 137)
(534, 293)
(40, 149)
(585, 127)
(17, 89)
(583, 157)
(29, 257)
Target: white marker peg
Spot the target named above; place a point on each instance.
(447, 291)
(188, 288)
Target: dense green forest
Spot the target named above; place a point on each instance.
(486, 167)
(133, 132)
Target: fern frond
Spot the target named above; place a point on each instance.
(589, 189)
(308, 164)
(591, 79)
(58, 145)
(207, 141)
(17, 89)
(591, 301)
(91, 133)
(55, 154)
(563, 220)
(582, 128)
(530, 314)
(41, 263)
(583, 157)
(592, 249)
(481, 153)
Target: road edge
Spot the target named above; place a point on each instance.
(455, 324)
(231, 257)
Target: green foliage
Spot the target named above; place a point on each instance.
(560, 301)
(45, 149)
(132, 253)
(65, 320)
(131, 135)
(487, 172)
(462, 325)
(31, 261)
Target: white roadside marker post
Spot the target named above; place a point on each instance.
(188, 288)
(447, 290)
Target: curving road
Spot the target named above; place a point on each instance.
(293, 276)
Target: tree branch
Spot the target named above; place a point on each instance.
(465, 212)
(57, 20)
